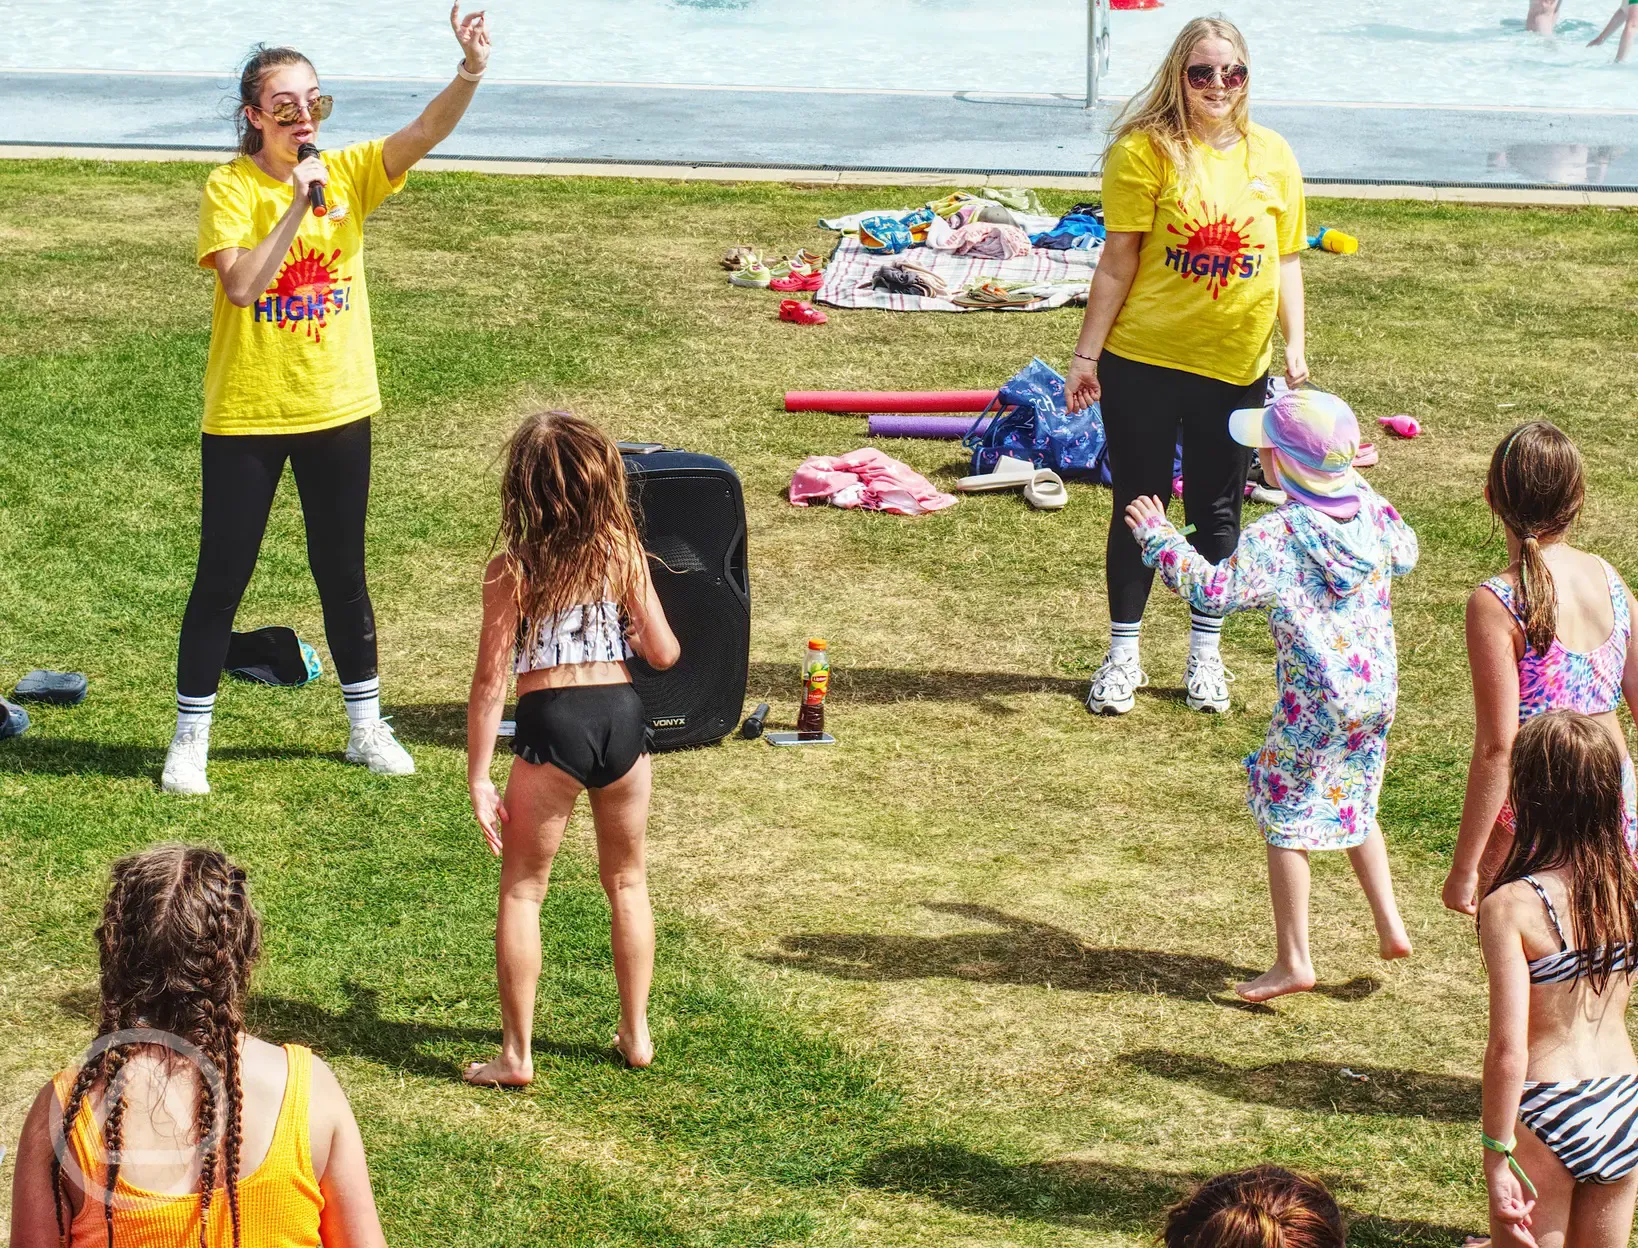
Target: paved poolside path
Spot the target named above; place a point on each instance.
(813, 129)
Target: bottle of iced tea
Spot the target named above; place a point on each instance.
(810, 720)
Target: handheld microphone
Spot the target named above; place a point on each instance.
(315, 192)
(751, 729)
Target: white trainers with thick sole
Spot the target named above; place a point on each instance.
(1114, 685)
(373, 745)
(1207, 682)
(184, 772)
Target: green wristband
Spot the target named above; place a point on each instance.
(1506, 1150)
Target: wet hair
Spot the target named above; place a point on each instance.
(251, 75)
(1264, 1207)
(1536, 487)
(567, 532)
(177, 943)
(1566, 794)
(1161, 109)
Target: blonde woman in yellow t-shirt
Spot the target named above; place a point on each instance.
(291, 377)
(1205, 218)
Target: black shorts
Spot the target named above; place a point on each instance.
(595, 733)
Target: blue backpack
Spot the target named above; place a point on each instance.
(1031, 422)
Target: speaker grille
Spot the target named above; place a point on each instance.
(692, 513)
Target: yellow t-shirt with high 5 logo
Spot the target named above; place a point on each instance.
(1208, 281)
(301, 357)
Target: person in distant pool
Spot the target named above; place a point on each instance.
(1625, 18)
(1205, 218)
(291, 376)
(1541, 17)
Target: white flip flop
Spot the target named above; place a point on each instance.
(1046, 492)
(1009, 474)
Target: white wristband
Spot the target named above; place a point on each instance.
(464, 72)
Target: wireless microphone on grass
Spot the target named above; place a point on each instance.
(315, 191)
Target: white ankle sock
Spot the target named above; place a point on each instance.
(363, 700)
(194, 712)
(1123, 640)
(1205, 631)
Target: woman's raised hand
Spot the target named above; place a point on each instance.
(473, 35)
(1081, 389)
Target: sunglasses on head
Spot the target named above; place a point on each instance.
(288, 112)
(1202, 76)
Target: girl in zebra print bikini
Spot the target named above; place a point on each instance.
(1558, 929)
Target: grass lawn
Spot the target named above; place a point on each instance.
(960, 981)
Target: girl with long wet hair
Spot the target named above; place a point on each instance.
(178, 1128)
(1558, 929)
(566, 601)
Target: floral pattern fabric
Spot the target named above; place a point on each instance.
(1316, 780)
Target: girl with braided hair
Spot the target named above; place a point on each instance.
(1551, 632)
(177, 1128)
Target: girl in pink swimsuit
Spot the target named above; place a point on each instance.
(1552, 632)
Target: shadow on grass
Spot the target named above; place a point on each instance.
(1321, 1086)
(360, 1031)
(37, 754)
(1025, 952)
(444, 723)
(1113, 1198)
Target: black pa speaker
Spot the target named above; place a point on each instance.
(691, 511)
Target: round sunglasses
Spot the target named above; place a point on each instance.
(1202, 76)
(288, 112)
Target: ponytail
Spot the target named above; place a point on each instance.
(261, 59)
(1536, 487)
(1537, 597)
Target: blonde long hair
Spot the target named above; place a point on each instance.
(1161, 109)
(567, 532)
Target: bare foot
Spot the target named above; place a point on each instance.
(1395, 944)
(636, 1054)
(499, 1073)
(1277, 981)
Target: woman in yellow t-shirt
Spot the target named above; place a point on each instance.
(1205, 219)
(177, 1127)
(291, 377)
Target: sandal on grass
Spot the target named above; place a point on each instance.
(799, 313)
(798, 279)
(738, 257)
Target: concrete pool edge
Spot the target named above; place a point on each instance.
(705, 171)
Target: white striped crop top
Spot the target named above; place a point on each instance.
(588, 633)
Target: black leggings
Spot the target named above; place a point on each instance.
(240, 474)
(1144, 406)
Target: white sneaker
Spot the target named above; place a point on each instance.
(373, 744)
(1113, 686)
(185, 763)
(1207, 682)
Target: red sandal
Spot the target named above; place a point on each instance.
(799, 313)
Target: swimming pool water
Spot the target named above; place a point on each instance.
(1456, 52)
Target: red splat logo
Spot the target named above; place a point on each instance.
(1216, 250)
(306, 293)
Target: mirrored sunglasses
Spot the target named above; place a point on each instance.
(288, 112)
(1202, 76)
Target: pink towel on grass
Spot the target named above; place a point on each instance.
(866, 478)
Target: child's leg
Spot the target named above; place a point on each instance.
(1601, 1213)
(1541, 16)
(540, 799)
(1627, 33)
(621, 814)
(1293, 970)
(1370, 863)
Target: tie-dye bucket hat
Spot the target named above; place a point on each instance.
(1313, 438)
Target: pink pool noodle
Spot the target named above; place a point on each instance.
(891, 425)
(1404, 426)
(887, 400)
